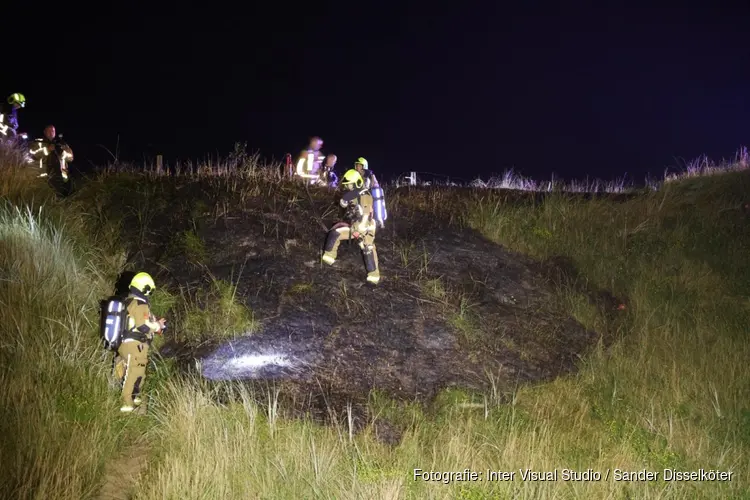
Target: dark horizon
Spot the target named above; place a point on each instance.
(598, 93)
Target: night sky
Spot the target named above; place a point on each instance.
(459, 90)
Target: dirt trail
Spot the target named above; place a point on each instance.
(121, 474)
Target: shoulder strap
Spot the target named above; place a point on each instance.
(126, 303)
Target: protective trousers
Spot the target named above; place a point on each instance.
(343, 231)
(61, 186)
(135, 357)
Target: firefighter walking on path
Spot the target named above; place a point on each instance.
(359, 224)
(133, 350)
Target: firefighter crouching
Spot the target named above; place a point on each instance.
(358, 224)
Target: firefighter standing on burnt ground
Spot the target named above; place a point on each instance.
(359, 224)
(363, 168)
(328, 176)
(309, 162)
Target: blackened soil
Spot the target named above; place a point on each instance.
(452, 309)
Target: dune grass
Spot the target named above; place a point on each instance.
(671, 392)
(55, 406)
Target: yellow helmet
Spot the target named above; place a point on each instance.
(143, 282)
(17, 98)
(353, 179)
(362, 162)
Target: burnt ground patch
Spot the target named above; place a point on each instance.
(453, 308)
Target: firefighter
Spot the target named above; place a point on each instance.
(358, 224)
(9, 115)
(133, 351)
(327, 175)
(53, 155)
(308, 164)
(363, 168)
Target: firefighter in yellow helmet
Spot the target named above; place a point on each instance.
(133, 350)
(9, 115)
(358, 224)
(309, 161)
(363, 167)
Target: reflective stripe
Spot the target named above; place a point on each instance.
(301, 169)
(127, 369)
(41, 148)
(366, 226)
(310, 161)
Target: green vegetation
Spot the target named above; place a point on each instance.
(189, 245)
(55, 406)
(670, 391)
(214, 313)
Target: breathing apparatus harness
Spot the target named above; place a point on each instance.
(354, 213)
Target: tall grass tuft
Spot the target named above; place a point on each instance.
(57, 421)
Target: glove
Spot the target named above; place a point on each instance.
(163, 324)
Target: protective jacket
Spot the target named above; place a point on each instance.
(329, 178)
(359, 210)
(142, 325)
(52, 156)
(308, 165)
(8, 120)
(367, 176)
